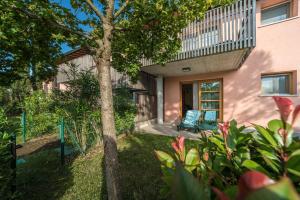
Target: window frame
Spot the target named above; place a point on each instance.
(274, 6)
(220, 100)
(290, 75)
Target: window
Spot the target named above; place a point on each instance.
(275, 14)
(210, 99)
(276, 84)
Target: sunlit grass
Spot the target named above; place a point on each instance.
(42, 177)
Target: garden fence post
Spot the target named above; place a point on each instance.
(23, 124)
(13, 162)
(62, 141)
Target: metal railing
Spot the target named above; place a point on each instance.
(221, 30)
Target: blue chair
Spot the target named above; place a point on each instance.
(190, 121)
(209, 122)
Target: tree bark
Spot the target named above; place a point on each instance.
(32, 79)
(103, 63)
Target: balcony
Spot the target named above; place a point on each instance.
(218, 42)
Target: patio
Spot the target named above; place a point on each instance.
(165, 129)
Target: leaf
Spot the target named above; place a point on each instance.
(231, 141)
(165, 159)
(283, 189)
(192, 159)
(293, 164)
(251, 181)
(266, 135)
(185, 186)
(231, 191)
(273, 164)
(268, 154)
(217, 142)
(244, 153)
(252, 165)
(221, 195)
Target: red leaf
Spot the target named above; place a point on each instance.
(178, 146)
(250, 181)
(285, 107)
(296, 114)
(220, 195)
(224, 128)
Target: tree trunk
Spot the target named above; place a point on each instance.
(33, 84)
(32, 79)
(107, 115)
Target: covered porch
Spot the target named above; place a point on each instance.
(167, 129)
(212, 46)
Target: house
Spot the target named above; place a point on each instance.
(143, 91)
(232, 62)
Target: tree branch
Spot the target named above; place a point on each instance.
(95, 9)
(52, 23)
(121, 10)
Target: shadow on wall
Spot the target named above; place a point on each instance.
(242, 100)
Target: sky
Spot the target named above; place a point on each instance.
(80, 15)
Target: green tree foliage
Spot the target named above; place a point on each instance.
(40, 116)
(118, 37)
(29, 47)
(12, 97)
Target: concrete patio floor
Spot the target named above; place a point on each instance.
(166, 129)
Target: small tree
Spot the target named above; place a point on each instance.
(121, 34)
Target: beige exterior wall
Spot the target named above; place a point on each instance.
(277, 50)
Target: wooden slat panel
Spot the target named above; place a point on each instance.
(222, 29)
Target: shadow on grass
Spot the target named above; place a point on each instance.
(83, 176)
(43, 176)
(140, 171)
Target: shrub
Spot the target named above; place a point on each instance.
(6, 173)
(125, 110)
(222, 159)
(40, 116)
(78, 105)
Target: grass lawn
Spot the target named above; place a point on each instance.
(42, 177)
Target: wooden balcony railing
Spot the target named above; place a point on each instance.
(221, 30)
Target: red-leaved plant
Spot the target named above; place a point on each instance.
(223, 158)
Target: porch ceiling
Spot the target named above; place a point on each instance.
(200, 65)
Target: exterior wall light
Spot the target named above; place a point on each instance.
(186, 69)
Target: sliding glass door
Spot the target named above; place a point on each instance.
(211, 99)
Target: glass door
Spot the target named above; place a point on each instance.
(211, 99)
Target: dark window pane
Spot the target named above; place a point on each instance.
(278, 84)
(210, 105)
(275, 14)
(210, 96)
(210, 86)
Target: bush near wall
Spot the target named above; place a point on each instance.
(125, 110)
(40, 114)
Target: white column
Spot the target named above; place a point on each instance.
(160, 99)
(195, 95)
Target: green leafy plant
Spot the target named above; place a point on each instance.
(252, 185)
(125, 110)
(78, 106)
(223, 158)
(6, 173)
(40, 115)
(190, 161)
(224, 153)
(278, 153)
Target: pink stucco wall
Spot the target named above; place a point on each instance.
(277, 50)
